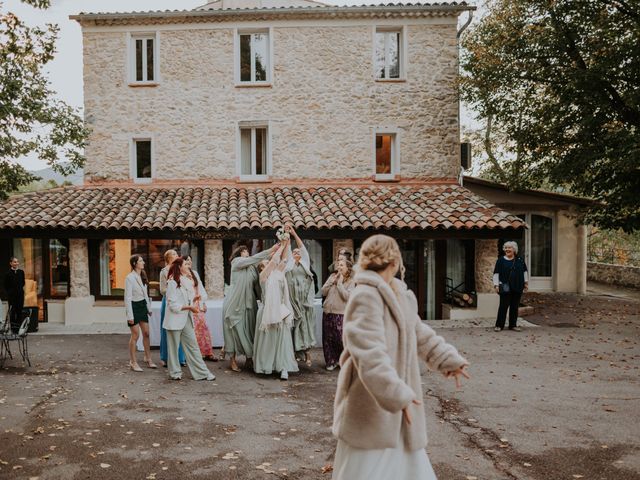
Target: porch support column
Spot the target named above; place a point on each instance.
(581, 260)
(79, 267)
(214, 268)
(486, 256)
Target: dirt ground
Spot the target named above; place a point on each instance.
(556, 401)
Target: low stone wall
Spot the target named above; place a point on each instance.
(614, 274)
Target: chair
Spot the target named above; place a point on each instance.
(7, 336)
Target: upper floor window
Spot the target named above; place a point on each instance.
(387, 156)
(254, 151)
(389, 52)
(141, 160)
(143, 53)
(253, 57)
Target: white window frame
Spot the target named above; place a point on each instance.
(253, 177)
(236, 49)
(403, 51)
(395, 154)
(541, 284)
(131, 59)
(133, 165)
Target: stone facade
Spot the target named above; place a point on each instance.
(614, 274)
(214, 268)
(322, 106)
(486, 256)
(79, 267)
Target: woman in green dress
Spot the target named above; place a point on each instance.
(302, 293)
(273, 349)
(240, 305)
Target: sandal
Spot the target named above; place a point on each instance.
(135, 367)
(150, 363)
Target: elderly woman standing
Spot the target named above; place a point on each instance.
(302, 293)
(336, 291)
(510, 279)
(378, 414)
(182, 303)
(169, 257)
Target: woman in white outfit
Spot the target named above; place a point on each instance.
(137, 306)
(182, 303)
(378, 414)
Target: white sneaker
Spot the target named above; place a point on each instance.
(284, 375)
(331, 368)
(210, 378)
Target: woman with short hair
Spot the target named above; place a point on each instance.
(138, 310)
(378, 414)
(510, 279)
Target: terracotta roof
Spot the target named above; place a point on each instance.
(315, 11)
(223, 208)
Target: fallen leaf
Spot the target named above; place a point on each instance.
(104, 465)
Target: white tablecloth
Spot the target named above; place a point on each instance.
(214, 322)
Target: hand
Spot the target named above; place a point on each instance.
(456, 374)
(405, 411)
(526, 286)
(130, 322)
(149, 313)
(194, 309)
(340, 279)
(497, 289)
(204, 307)
(197, 298)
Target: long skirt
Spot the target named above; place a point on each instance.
(203, 335)
(273, 350)
(238, 339)
(164, 355)
(332, 337)
(358, 464)
(304, 336)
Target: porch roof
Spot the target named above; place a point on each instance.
(209, 209)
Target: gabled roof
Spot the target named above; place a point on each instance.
(208, 209)
(216, 14)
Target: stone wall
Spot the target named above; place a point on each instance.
(486, 256)
(79, 267)
(322, 106)
(214, 268)
(614, 274)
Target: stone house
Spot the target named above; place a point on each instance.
(222, 123)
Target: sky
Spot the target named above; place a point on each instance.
(65, 71)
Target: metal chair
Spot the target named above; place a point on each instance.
(7, 336)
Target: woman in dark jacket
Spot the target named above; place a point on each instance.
(510, 279)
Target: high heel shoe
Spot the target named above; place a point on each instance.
(150, 363)
(135, 367)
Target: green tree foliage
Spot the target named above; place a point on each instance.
(561, 79)
(32, 120)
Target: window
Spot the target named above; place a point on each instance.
(541, 246)
(254, 151)
(141, 164)
(143, 58)
(253, 57)
(386, 156)
(388, 54)
(113, 262)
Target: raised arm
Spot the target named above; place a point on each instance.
(245, 262)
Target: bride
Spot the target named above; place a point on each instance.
(273, 348)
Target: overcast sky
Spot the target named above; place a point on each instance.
(65, 71)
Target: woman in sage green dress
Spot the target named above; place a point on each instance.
(240, 305)
(273, 349)
(302, 293)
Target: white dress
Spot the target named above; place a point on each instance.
(390, 463)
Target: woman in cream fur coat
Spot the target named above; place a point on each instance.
(378, 414)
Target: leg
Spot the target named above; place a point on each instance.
(199, 370)
(163, 334)
(144, 327)
(514, 305)
(173, 344)
(502, 310)
(135, 333)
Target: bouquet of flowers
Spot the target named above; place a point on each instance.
(282, 235)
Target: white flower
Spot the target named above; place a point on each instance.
(282, 235)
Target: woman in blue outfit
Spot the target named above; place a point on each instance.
(169, 257)
(510, 279)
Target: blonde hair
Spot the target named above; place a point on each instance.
(168, 255)
(378, 252)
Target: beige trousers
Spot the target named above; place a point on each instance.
(186, 336)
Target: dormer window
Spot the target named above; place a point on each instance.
(253, 57)
(143, 59)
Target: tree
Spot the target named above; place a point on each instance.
(562, 80)
(32, 120)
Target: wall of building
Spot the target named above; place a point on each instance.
(322, 106)
(614, 274)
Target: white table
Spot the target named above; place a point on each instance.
(213, 317)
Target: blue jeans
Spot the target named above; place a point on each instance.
(163, 338)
